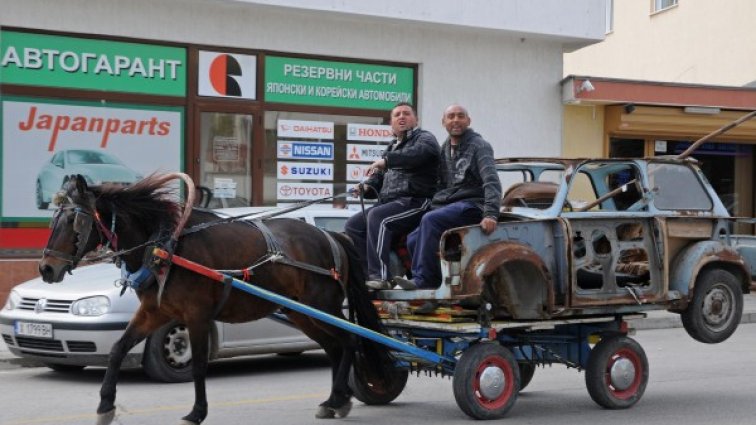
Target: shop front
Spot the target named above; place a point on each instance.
(251, 127)
(644, 119)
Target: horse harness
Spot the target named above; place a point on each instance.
(82, 226)
(152, 267)
(139, 280)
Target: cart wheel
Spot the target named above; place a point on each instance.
(527, 370)
(486, 381)
(714, 312)
(378, 391)
(617, 372)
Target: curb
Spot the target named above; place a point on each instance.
(672, 320)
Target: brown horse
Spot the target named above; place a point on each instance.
(143, 212)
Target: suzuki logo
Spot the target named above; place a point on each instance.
(40, 306)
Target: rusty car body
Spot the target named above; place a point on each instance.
(584, 237)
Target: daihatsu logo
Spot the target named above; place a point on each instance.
(40, 306)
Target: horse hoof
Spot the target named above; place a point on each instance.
(325, 412)
(106, 418)
(344, 410)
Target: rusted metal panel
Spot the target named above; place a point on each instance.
(690, 229)
(690, 261)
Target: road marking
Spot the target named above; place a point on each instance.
(122, 413)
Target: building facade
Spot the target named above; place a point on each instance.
(261, 102)
(659, 82)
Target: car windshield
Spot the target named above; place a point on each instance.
(90, 157)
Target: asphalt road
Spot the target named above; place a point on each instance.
(690, 383)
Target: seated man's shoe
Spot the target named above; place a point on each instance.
(378, 284)
(406, 284)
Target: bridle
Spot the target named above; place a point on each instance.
(82, 227)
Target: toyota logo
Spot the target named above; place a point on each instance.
(40, 306)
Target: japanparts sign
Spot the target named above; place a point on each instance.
(289, 170)
(364, 153)
(331, 83)
(369, 133)
(227, 75)
(44, 141)
(305, 129)
(305, 150)
(80, 63)
(289, 191)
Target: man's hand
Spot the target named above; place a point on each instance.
(357, 190)
(378, 165)
(488, 225)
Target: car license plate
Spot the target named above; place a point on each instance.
(37, 330)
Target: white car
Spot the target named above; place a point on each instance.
(74, 323)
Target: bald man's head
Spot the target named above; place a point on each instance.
(456, 120)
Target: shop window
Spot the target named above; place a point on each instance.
(310, 156)
(626, 148)
(225, 172)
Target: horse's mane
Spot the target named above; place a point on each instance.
(150, 202)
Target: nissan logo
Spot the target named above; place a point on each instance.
(40, 306)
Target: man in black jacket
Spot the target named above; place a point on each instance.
(404, 181)
(469, 193)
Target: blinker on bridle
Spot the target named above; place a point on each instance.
(82, 226)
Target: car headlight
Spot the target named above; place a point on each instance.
(92, 306)
(13, 300)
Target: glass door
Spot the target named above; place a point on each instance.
(225, 168)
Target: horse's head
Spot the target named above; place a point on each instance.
(75, 230)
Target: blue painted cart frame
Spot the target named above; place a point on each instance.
(491, 363)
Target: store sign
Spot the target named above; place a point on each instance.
(342, 84)
(370, 133)
(357, 172)
(289, 170)
(305, 129)
(227, 75)
(79, 63)
(45, 141)
(305, 150)
(289, 191)
(365, 153)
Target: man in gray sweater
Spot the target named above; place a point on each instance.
(469, 193)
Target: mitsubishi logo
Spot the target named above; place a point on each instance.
(40, 306)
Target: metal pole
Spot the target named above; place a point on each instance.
(255, 290)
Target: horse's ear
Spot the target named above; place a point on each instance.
(81, 184)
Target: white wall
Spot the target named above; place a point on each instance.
(697, 41)
(578, 20)
(510, 83)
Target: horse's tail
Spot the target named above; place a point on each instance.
(375, 354)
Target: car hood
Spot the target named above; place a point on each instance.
(100, 173)
(86, 281)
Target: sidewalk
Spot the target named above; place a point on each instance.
(655, 320)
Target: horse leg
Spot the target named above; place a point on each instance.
(140, 326)
(341, 356)
(198, 336)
